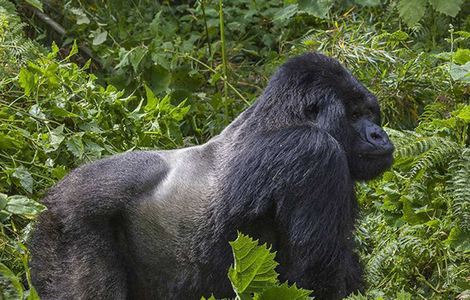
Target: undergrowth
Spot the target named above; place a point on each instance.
(157, 79)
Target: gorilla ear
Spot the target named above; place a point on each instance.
(312, 111)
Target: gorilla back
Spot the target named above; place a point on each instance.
(156, 224)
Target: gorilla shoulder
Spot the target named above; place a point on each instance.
(104, 185)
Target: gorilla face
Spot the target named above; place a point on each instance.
(325, 95)
(371, 150)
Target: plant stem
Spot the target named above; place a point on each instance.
(224, 59)
(203, 8)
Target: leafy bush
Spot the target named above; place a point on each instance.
(415, 232)
(55, 116)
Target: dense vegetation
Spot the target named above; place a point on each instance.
(163, 74)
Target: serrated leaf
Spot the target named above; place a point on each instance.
(25, 178)
(411, 11)
(75, 146)
(254, 267)
(284, 292)
(286, 13)
(447, 7)
(317, 8)
(21, 205)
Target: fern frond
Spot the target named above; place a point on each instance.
(380, 261)
(438, 154)
(458, 187)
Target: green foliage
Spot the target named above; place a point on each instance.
(55, 116)
(158, 78)
(419, 211)
(253, 274)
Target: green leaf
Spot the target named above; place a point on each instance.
(35, 3)
(21, 205)
(461, 56)
(286, 13)
(464, 113)
(73, 51)
(75, 145)
(14, 280)
(368, 2)
(411, 11)
(254, 267)
(26, 80)
(283, 292)
(100, 38)
(8, 143)
(25, 178)
(56, 136)
(3, 201)
(447, 7)
(151, 99)
(317, 8)
(460, 72)
(136, 57)
(160, 78)
(459, 239)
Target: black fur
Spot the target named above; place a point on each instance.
(156, 225)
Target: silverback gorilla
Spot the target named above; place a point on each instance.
(156, 224)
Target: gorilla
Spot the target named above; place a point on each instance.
(156, 224)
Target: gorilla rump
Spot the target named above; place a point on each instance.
(156, 224)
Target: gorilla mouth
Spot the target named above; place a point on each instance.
(377, 152)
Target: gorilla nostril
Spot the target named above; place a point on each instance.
(375, 136)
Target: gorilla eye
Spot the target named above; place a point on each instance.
(311, 112)
(355, 115)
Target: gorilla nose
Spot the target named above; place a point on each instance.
(376, 136)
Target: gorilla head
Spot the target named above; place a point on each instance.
(156, 224)
(317, 91)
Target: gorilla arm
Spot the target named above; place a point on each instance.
(301, 174)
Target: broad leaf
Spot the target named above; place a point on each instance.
(317, 8)
(461, 56)
(411, 11)
(100, 38)
(447, 7)
(460, 72)
(284, 292)
(21, 205)
(25, 178)
(75, 145)
(254, 267)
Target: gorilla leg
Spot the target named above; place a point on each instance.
(78, 247)
(79, 262)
